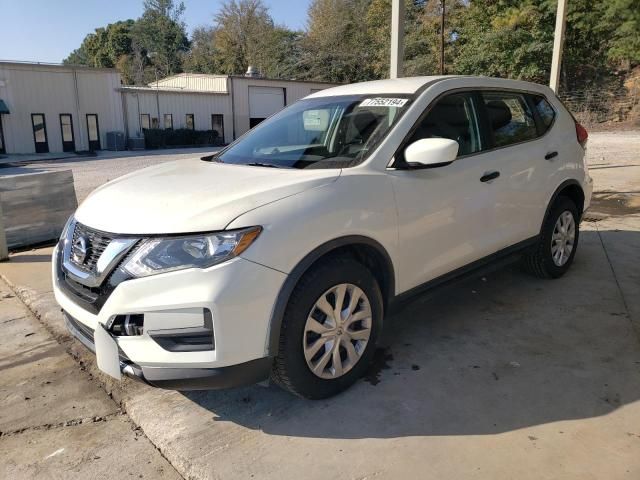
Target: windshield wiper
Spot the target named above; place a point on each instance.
(260, 164)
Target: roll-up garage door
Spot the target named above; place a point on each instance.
(263, 102)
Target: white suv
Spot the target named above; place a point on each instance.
(279, 256)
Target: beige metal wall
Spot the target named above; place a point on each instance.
(240, 90)
(52, 90)
(195, 81)
(153, 102)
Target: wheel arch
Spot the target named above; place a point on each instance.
(366, 250)
(569, 188)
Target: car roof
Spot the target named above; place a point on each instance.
(411, 85)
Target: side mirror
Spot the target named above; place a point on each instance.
(431, 153)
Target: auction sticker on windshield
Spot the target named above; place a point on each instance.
(383, 102)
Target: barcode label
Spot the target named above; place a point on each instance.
(384, 102)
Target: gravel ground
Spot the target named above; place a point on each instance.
(90, 173)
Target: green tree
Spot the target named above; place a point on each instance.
(624, 45)
(202, 56)
(104, 47)
(505, 38)
(337, 43)
(161, 34)
(514, 39)
(245, 34)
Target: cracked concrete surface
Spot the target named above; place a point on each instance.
(55, 421)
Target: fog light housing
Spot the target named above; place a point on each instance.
(130, 325)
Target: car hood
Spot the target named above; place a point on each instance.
(191, 196)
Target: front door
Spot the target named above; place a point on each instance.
(66, 131)
(446, 213)
(3, 149)
(39, 132)
(93, 131)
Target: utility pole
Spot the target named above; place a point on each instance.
(558, 44)
(442, 14)
(397, 38)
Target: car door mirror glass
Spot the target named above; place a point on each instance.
(431, 153)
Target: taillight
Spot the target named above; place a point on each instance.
(582, 134)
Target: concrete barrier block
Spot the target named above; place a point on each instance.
(35, 206)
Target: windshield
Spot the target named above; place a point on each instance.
(327, 132)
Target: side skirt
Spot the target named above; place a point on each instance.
(490, 263)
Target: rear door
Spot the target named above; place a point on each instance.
(446, 214)
(518, 154)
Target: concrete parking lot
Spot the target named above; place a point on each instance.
(501, 376)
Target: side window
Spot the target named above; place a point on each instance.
(452, 117)
(510, 118)
(545, 111)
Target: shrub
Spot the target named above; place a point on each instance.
(180, 137)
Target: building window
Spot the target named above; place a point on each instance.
(155, 123)
(145, 121)
(190, 122)
(168, 121)
(217, 125)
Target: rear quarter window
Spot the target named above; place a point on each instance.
(545, 111)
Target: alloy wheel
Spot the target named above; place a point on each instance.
(337, 331)
(563, 238)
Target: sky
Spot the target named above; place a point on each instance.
(48, 30)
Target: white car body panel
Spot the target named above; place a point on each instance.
(190, 196)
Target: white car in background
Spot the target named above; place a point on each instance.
(279, 256)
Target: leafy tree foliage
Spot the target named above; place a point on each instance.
(138, 48)
(104, 47)
(161, 34)
(349, 40)
(336, 46)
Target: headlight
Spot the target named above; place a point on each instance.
(66, 227)
(160, 255)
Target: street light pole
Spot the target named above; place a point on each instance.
(558, 44)
(397, 38)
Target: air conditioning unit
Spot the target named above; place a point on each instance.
(136, 143)
(115, 141)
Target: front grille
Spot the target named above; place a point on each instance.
(96, 243)
(90, 298)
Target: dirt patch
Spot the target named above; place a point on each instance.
(605, 205)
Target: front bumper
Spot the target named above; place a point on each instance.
(246, 373)
(239, 294)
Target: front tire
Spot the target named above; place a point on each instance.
(553, 254)
(330, 329)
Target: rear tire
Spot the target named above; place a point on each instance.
(553, 254)
(321, 354)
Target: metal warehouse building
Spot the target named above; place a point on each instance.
(59, 108)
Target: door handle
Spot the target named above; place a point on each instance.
(550, 155)
(487, 177)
